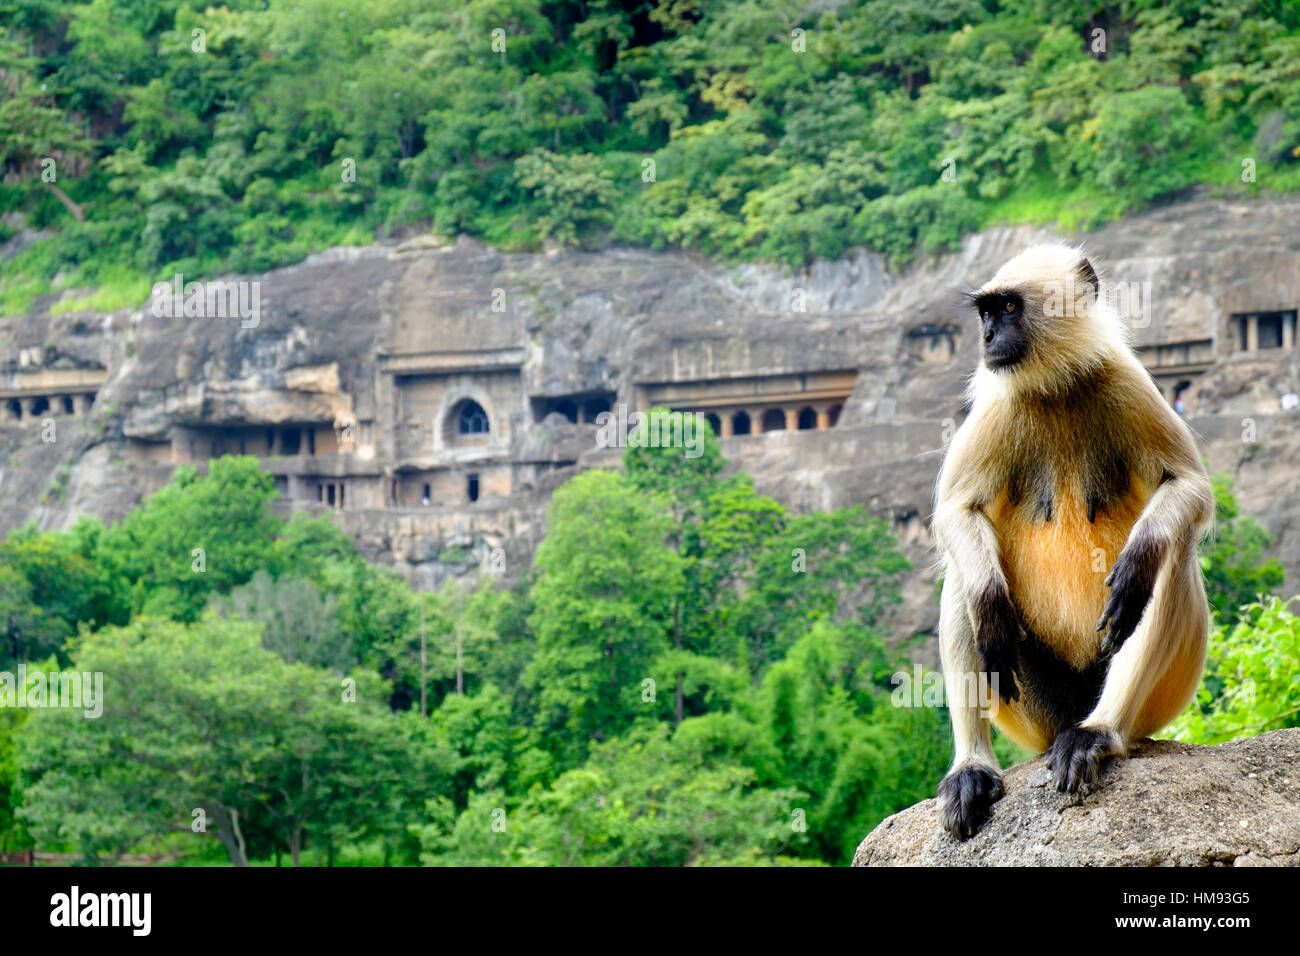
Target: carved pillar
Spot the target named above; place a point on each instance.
(29, 405)
(823, 418)
(1288, 331)
(755, 421)
(791, 420)
(1252, 333)
(724, 424)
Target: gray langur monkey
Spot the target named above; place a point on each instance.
(1068, 511)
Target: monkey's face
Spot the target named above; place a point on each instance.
(1002, 324)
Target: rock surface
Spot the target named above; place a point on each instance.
(1169, 804)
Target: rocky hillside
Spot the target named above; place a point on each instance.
(1169, 804)
(617, 320)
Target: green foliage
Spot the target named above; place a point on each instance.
(643, 800)
(201, 716)
(601, 606)
(298, 622)
(13, 834)
(689, 675)
(894, 124)
(198, 535)
(1236, 573)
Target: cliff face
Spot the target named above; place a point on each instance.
(1169, 804)
(360, 362)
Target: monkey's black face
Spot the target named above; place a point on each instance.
(1002, 326)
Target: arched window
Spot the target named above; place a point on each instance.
(773, 420)
(15, 408)
(740, 424)
(67, 404)
(714, 422)
(568, 409)
(471, 419)
(807, 418)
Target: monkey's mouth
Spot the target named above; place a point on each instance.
(1003, 356)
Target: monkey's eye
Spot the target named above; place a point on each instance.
(1009, 307)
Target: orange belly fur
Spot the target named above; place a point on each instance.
(1056, 569)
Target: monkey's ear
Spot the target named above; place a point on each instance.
(1088, 274)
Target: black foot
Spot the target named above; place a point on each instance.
(1076, 755)
(965, 798)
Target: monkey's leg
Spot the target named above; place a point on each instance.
(973, 783)
(1170, 633)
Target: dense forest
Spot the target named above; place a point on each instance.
(141, 138)
(688, 674)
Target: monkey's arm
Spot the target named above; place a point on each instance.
(1181, 507)
(969, 543)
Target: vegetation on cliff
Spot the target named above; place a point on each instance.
(165, 137)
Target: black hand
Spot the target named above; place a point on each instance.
(1131, 581)
(997, 638)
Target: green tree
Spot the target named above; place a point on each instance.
(198, 535)
(602, 602)
(298, 622)
(638, 801)
(1232, 557)
(13, 834)
(202, 717)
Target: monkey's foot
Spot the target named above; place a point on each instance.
(965, 798)
(1076, 755)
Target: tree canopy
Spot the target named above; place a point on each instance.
(181, 137)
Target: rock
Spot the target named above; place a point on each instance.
(614, 323)
(1168, 804)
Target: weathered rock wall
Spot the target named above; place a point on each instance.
(573, 322)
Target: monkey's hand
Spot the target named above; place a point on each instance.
(1131, 581)
(997, 638)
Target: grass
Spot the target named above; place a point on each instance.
(122, 291)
